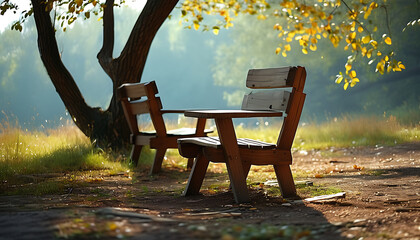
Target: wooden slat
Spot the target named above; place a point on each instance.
(214, 142)
(251, 143)
(266, 100)
(132, 90)
(185, 131)
(268, 78)
(232, 114)
(253, 156)
(139, 107)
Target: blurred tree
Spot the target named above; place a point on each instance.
(306, 22)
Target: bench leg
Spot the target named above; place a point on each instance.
(285, 179)
(246, 167)
(157, 163)
(190, 163)
(196, 176)
(135, 154)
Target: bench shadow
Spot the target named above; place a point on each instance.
(215, 206)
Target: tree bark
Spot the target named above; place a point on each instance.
(108, 127)
(82, 114)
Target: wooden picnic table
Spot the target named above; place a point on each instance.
(227, 136)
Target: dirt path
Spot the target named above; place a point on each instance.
(382, 201)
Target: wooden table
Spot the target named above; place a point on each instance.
(228, 140)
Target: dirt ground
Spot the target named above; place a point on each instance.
(382, 201)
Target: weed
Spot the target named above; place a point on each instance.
(376, 172)
(305, 190)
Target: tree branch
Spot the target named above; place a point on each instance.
(135, 52)
(105, 54)
(66, 87)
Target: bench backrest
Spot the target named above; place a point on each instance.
(140, 98)
(273, 99)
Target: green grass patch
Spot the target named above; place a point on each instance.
(345, 131)
(305, 190)
(40, 189)
(375, 172)
(24, 154)
(361, 131)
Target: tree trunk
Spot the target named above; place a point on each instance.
(108, 127)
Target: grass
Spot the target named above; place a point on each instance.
(345, 131)
(28, 155)
(32, 156)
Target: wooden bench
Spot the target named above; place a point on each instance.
(240, 154)
(140, 98)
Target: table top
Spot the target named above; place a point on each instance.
(231, 113)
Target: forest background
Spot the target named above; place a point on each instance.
(196, 69)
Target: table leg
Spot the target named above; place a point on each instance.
(233, 161)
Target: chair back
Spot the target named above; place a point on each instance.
(271, 98)
(140, 98)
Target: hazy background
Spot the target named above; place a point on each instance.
(195, 69)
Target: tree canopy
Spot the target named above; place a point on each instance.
(363, 26)
(360, 27)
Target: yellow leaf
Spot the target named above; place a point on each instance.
(400, 65)
(216, 30)
(278, 50)
(369, 53)
(112, 226)
(388, 40)
(339, 78)
(364, 51)
(305, 51)
(312, 47)
(379, 53)
(284, 54)
(287, 47)
(348, 67)
(353, 74)
(353, 82)
(360, 29)
(367, 13)
(374, 43)
(79, 2)
(380, 67)
(346, 85)
(386, 58)
(261, 17)
(366, 39)
(277, 27)
(196, 25)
